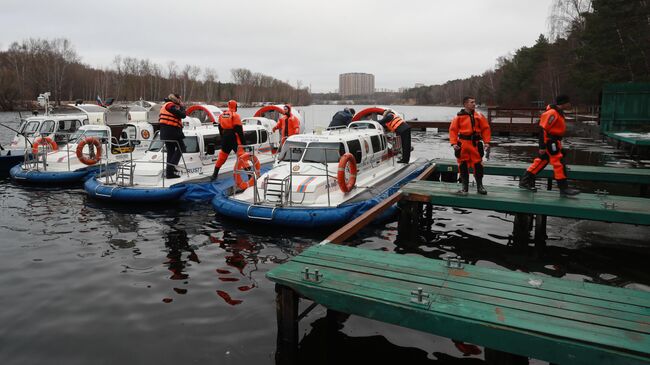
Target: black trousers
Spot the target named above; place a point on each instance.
(404, 132)
(173, 137)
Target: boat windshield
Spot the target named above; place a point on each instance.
(191, 144)
(324, 152)
(292, 151)
(30, 128)
(99, 133)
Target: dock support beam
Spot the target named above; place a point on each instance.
(521, 229)
(409, 219)
(287, 316)
(540, 231)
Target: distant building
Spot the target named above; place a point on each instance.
(356, 83)
(418, 84)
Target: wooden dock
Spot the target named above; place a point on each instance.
(574, 172)
(514, 315)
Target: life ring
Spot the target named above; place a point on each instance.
(344, 185)
(44, 141)
(88, 160)
(244, 162)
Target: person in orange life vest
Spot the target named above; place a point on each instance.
(394, 123)
(171, 131)
(469, 135)
(232, 136)
(288, 124)
(553, 125)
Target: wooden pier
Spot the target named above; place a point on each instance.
(497, 127)
(514, 315)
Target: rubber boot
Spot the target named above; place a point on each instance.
(528, 181)
(215, 174)
(565, 190)
(464, 179)
(478, 175)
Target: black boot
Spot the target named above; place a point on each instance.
(478, 175)
(215, 174)
(464, 179)
(528, 181)
(565, 190)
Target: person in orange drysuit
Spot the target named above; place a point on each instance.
(232, 136)
(553, 125)
(469, 135)
(288, 124)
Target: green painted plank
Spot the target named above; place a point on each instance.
(637, 140)
(575, 172)
(348, 283)
(492, 277)
(470, 292)
(481, 324)
(514, 200)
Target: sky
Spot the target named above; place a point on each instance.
(307, 42)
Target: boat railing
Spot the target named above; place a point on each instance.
(125, 170)
(285, 192)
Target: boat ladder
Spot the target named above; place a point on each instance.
(124, 173)
(275, 191)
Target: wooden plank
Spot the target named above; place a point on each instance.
(514, 200)
(489, 326)
(353, 227)
(636, 139)
(575, 172)
(599, 296)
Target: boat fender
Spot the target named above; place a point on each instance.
(245, 161)
(347, 159)
(44, 141)
(89, 160)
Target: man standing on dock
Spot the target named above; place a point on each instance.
(553, 127)
(469, 135)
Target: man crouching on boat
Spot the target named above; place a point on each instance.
(469, 135)
(232, 135)
(394, 123)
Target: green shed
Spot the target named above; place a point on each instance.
(625, 107)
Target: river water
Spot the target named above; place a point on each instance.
(86, 282)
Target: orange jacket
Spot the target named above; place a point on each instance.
(294, 126)
(552, 122)
(229, 119)
(394, 123)
(462, 125)
(165, 117)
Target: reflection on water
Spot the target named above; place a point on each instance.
(84, 280)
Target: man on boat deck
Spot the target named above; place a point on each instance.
(288, 124)
(553, 127)
(232, 135)
(394, 123)
(171, 131)
(342, 118)
(469, 135)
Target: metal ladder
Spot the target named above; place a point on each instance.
(124, 173)
(274, 191)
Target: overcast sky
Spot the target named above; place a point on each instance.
(400, 42)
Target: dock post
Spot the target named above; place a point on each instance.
(521, 229)
(540, 231)
(286, 301)
(409, 219)
(428, 216)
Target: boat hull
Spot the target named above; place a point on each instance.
(20, 175)
(304, 217)
(128, 194)
(7, 162)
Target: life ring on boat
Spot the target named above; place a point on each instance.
(347, 159)
(245, 161)
(43, 141)
(80, 151)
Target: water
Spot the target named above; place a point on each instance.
(88, 282)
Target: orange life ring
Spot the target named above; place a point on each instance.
(98, 154)
(344, 185)
(244, 162)
(44, 141)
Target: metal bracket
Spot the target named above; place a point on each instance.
(315, 276)
(419, 296)
(602, 193)
(611, 205)
(454, 262)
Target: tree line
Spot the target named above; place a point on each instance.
(33, 66)
(590, 43)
